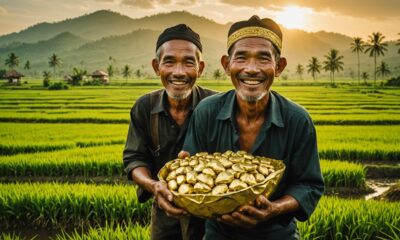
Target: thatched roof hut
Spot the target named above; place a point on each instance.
(13, 76)
(100, 75)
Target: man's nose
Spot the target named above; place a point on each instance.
(178, 71)
(251, 67)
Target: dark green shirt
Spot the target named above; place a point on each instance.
(288, 134)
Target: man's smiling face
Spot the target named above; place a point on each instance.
(178, 66)
(252, 67)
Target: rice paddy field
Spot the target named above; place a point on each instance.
(61, 173)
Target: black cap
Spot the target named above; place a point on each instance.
(180, 31)
(256, 27)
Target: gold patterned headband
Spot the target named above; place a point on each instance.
(255, 32)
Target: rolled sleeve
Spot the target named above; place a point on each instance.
(136, 152)
(307, 184)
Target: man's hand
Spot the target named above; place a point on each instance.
(164, 197)
(182, 154)
(249, 216)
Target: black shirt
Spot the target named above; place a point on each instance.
(139, 149)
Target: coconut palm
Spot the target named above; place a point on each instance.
(110, 71)
(54, 62)
(300, 70)
(375, 48)
(313, 67)
(383, 69)
(358, 46)
(27, 65)
(333, 63)
(126, 72)
(12, 61)
(365, 76)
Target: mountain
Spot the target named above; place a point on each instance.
(89, 40)
(43, 49)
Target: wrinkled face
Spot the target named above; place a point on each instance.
(252, 67)
(178, 66)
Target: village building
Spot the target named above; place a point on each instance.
(13, 76)
(101, 75)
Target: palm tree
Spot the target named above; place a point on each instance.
(358, 46)
(365, 76)
(313, 67)
(333, 63)
(217, 74)
(54, 61)
(383, 69)
(12, 61)
(138, 73)
(300, 70)
(110, 71)
(27, 65)
(398, 44)
(375, 48)
(126, 72)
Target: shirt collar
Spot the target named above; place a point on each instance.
(161, 104)
(273, 109)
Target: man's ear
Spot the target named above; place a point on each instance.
(225, 64)
(202, 65)
(280, 66)
(155, 65)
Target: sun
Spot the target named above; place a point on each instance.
(293, 17)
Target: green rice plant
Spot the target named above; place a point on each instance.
(130, 232)
(104, 161)
(29, 138)
(79, 205)
(337, 218)
(362, 143)
(343, 174)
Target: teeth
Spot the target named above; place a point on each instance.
(252, 82)
(178, 82)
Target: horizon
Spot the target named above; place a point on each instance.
(311, 16)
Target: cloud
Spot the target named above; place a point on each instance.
(371, 9)
(145, 4)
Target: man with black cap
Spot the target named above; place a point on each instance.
(158, 126)
(260, 121)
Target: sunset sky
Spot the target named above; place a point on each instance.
(350, 17)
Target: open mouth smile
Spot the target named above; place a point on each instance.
(178, 82)
(251, 81)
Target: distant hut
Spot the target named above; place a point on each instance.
(13, 76)
(101, 75)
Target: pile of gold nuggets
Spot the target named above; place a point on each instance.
(216, 173)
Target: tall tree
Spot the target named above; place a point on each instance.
(217, 74)
(383, 69)
(110, 71)
(398, 44)
(375, 48)
(54, 62)
(357, 46)
(313, 67)
(300, 70)
(126, 72)
(138, 73)
(365, 76)
(27, 65)
(12, 61)
(333, 63)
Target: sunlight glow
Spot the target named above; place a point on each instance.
(293, 17)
